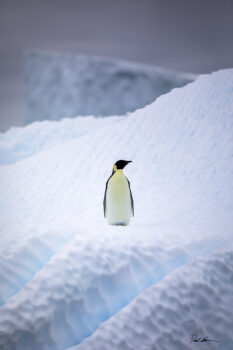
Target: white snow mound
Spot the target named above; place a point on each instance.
(64, 271)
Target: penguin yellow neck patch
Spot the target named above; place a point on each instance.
(115, 167)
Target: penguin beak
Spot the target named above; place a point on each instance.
(127, 162)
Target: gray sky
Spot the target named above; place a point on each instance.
(187, 35)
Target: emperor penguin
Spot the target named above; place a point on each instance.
(118, 199)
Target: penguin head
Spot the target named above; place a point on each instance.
(120, 164)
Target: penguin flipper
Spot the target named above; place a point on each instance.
(105, 194)
(131, 198)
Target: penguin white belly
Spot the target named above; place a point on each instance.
(118, 201)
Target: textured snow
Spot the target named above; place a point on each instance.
(19, 143)
(65, 275)
(194, 299)
(66, 85)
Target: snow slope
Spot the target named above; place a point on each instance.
(62, 85)
(19, 143)
(64, 271)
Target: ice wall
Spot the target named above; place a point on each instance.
(66, 85)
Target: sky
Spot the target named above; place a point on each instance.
(186, 35)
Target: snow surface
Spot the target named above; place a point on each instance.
(19, 143)
(66, 275)
(194, 299)
(62, 85)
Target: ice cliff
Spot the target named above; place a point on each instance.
(62, 85)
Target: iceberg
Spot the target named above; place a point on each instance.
(62, 85)
(67, 279)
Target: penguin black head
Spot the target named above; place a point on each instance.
(120, 164)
